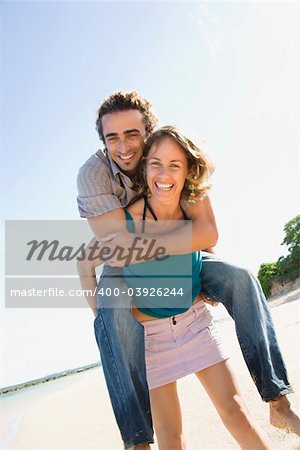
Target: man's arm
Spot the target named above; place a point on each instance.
(88, 281)
(108, 223)
(86, 269)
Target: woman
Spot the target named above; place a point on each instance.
(180, 338)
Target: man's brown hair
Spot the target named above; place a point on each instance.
(123, 101)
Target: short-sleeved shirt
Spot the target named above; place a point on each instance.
(102, 186)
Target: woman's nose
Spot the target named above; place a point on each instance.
(164, 171)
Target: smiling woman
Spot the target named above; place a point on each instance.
(180, 156)
(179, 336)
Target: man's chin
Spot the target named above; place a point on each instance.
(129, 168)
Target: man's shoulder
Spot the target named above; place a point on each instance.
(97, 164)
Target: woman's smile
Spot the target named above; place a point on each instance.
(163, 186)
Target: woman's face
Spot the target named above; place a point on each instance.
(166, 170)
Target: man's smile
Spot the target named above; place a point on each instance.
(127, 157)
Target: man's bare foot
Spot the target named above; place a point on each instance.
(283, 416)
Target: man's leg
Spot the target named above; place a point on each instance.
(241, 294)
(120, 338)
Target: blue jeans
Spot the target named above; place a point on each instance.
(120, 338)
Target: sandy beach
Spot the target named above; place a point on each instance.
(74, 412)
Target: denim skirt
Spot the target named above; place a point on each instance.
(180, 345)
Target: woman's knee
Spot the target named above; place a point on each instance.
(234, 412)
(170, 440)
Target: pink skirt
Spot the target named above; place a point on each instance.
(180, 345)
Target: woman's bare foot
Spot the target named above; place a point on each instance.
(283, 416)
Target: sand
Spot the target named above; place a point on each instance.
(74, 412)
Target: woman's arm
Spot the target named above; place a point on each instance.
(200, 234)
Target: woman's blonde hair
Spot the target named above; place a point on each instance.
(199, 165)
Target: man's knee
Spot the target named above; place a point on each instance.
(232, 276)
(243, 275)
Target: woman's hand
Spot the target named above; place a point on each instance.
(208, 300)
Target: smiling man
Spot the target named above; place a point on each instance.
(105, 185)
(124, 134)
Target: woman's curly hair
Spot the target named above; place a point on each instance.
(199, 164)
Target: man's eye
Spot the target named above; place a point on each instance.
(174, 166)
(154, 164)
(133, 135)
(112, 139)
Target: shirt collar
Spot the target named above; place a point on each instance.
(114, 167)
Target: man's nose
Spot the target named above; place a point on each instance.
(123, 147)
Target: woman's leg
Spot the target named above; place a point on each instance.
(166, 415)
(228, 401)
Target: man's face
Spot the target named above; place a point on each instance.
(124, 133)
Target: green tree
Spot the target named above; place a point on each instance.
(289, 267)
(292, 234)
(286, 268)
(266, 274)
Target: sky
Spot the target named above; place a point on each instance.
(225, 73)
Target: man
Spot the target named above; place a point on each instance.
(105, 187)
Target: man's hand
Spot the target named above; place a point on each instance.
(119, 245)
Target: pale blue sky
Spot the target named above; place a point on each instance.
(226, 73)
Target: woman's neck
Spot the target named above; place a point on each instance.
(165, 211)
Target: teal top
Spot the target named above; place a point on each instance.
(164, 287)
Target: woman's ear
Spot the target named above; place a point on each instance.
(193, 174)
(190, 175)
